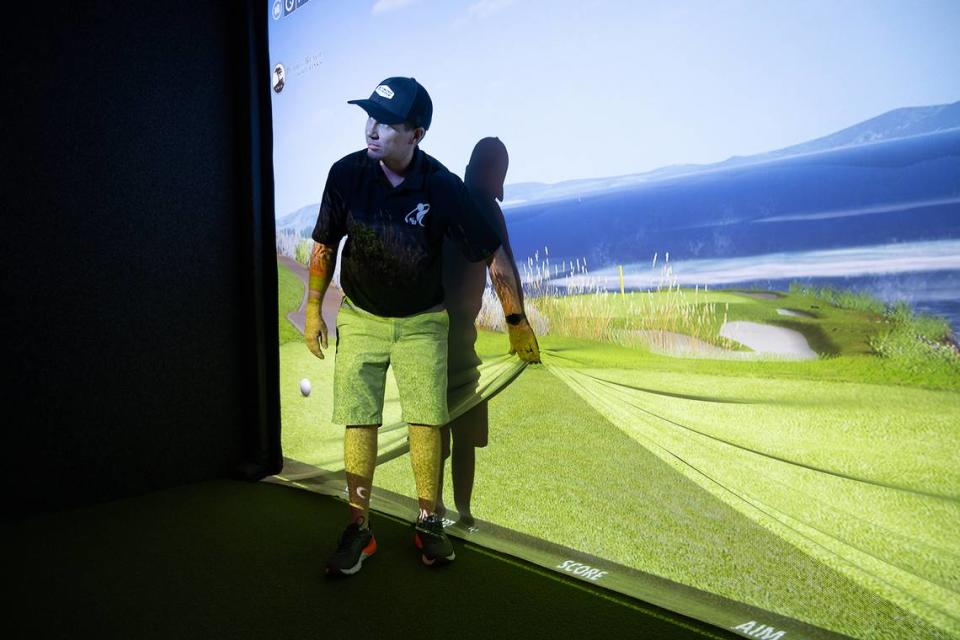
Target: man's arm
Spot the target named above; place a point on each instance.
(506, 282)
(323, 260)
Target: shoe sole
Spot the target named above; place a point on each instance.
(428, 560)
(368, 551)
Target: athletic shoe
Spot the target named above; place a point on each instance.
(435, 547)
(355, 546)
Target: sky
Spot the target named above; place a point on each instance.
(587, 89)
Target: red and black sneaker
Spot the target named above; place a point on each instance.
(434, 545)
(355, 545)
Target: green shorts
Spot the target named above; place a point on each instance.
(415, 346)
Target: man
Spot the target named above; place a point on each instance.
(396, 204)
(464, 283)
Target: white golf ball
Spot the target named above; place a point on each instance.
(305, 387)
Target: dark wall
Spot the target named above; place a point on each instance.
(131, 233)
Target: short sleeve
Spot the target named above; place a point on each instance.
(331, 220)
(471, 225)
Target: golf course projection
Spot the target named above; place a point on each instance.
(747, 302)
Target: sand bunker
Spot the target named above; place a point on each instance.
(767, 342)
(682, 345)
(796, 314)
(766, 339)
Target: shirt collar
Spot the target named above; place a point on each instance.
(414, 179)
(415, 175)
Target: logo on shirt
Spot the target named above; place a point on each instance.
(417, 215)
(384, 91)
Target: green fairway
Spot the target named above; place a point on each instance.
(825, 490)
(822, 467)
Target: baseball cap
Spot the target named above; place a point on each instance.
(397, 100)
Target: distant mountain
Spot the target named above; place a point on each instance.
(899, 123)
(301, 221)
(902, 189)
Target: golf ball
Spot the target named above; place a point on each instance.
(305, 387)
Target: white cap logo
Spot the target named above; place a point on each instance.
(385, 91)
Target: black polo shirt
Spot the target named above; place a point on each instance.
(391, 263)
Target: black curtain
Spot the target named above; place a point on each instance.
(139, 276)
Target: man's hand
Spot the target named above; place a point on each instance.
(523, 342)
(315, 327)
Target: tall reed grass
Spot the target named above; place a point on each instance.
(584, 307)
(841, 298)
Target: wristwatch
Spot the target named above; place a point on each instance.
(515, 318)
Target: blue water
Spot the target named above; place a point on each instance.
(881, 218)
(905, 190)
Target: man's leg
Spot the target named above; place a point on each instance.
(360, 369)
(360, 461)
(444, 454)
(463, 469)
(433, 543)
(419, 359)
(469, 430)
(425, 457)
(356, 543)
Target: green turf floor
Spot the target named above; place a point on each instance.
(231, 559)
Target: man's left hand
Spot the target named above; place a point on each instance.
(523, 342)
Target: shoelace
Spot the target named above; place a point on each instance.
(353, 529)
(431, 523)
